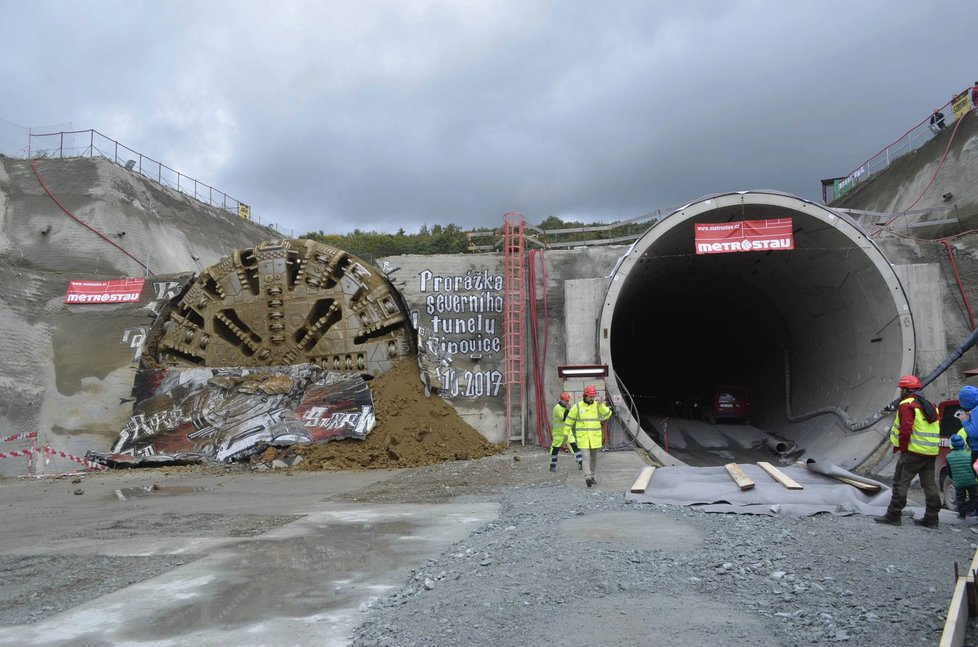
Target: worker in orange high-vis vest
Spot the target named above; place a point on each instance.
(584, 420)
(560, 432)
(916, 435)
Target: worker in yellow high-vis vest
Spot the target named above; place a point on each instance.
(584, 420)
(561, 433)
(916, 436)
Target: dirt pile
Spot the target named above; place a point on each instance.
(412, 430)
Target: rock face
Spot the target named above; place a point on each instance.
(68, 369)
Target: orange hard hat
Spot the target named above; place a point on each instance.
(565, 396)
(909, 382)
(591, 391)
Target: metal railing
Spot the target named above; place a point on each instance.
(910, 141)
(547, 237)
(91, 143)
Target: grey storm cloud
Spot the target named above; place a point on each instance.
(381, 115)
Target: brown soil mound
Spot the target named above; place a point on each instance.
(411, 430)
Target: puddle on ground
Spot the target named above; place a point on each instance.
(321, 573)
(126, 493)
(331, 569)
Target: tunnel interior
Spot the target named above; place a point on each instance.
(822, 328)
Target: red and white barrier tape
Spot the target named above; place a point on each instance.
(24, 436)
(16, 454)
(48, 453)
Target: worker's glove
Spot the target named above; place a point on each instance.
(890, 408)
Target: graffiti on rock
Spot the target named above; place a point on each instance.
(163, 292)
(135, 338)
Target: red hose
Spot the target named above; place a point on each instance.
(957, 277)
(933, 178)
(539, 358)
(900, 138)
(83, 224)
(950, 252)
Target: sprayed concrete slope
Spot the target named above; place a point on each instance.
(68, 369)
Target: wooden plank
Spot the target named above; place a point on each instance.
(740, 478)
(971, 591)
(780, 476)
(642, 482)
(973, 567)
(957, 617)
(868, 487)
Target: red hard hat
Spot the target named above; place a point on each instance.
(565, 396)
(909, 382)
(591, 391)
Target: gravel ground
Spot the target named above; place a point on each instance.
(567, 565)
(561, 565)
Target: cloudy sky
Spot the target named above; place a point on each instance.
(385, 115)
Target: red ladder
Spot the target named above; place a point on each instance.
(514, 282)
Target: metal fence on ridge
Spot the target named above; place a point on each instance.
(910, 141)
(91, 143)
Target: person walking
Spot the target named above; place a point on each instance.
(560, 432)
(963, 474)
(915, 435)
(584, 420)
(937, 121)
(968, 401)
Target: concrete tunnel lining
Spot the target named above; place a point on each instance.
(830, 314)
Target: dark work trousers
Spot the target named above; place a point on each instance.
(907, 467)
(965, 499)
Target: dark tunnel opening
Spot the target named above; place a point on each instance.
(720, 331)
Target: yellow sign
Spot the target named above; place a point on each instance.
(244, 211)
(960, 105)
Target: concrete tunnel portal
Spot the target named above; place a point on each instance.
(816, 333)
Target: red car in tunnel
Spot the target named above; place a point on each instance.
(730, 402)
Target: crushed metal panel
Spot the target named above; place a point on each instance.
(233, 413)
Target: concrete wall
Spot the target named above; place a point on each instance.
(920, 282)
(465, 293)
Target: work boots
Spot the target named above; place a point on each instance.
(889, 520)
(925, 523)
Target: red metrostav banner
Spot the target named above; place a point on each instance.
(115, 291)
(744, 236)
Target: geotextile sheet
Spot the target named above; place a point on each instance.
(712, 489)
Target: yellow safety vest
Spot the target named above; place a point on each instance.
(558, 426)
(585, 420)
(925, 437)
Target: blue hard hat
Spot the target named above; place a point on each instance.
(957, 442)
